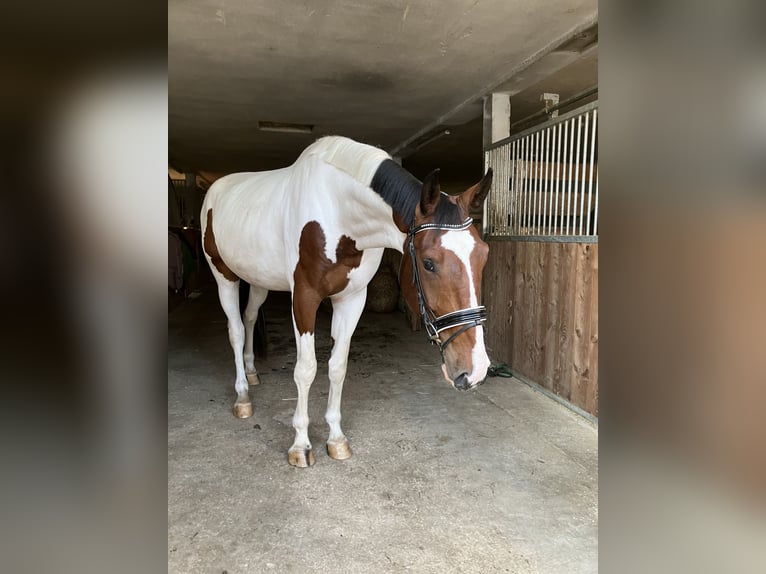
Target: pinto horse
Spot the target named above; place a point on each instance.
(318, 229)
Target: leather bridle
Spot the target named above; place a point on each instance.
(463, 318)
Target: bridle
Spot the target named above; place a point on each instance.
(463, 318)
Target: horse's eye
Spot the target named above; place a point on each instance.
(428, 265)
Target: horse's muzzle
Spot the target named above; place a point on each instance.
(462, 383)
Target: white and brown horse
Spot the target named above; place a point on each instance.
(318, 229)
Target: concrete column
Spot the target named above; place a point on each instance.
(497, 118)
(497, 126)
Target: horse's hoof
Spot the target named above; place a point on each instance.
(252, 379)
(339, 450)
(301, 458)
(243, 410)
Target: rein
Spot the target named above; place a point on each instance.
(463, 318)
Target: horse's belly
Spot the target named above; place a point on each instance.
(264, 277)
(262, 264)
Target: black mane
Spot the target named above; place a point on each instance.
(402, 191)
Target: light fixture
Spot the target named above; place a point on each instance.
(286, 128)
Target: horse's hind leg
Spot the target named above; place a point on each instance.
(345, 316)
(228, 293)
(254, 302)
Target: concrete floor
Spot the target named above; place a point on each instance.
(500, 479)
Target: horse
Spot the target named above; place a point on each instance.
(318, 229)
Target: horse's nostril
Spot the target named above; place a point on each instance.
(462, 383)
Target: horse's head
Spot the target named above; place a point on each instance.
(444, 285)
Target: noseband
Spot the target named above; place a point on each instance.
(463, 318)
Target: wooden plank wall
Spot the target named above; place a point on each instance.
(542, 299)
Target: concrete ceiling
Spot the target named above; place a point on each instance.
(389, 73)
(459, 154)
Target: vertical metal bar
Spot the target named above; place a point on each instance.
(535, 181)
(500, 190)
(551, 185)
(584, 167)
(509, 193)
(564, 179)
(533, 159)
(514, 207)
(528, 199)
(486, 209)
(532, 182)
(552, 181)
(590, 176)
(541, 183)
(522, 178)
(527, 147)
(548, 173)
(538, 192)
(569, 179)
(499, 197)
(519, 183)
(517, 179)
(499, 202)
(490, 198)
(543, 154)
(506, 183)
(595, 211)
(576, 181)
(507, 213)
(557, 184)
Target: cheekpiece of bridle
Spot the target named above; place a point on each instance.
(463, 318)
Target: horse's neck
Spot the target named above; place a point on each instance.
(371, 221)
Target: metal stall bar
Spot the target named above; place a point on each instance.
(595, 211)
(543, 172)
(590, 176)
(584, 167)
(569, 177)
(559, 187)
(514, 187)
(576, 181)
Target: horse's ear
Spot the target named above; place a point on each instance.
(431, 194)
(474, 196)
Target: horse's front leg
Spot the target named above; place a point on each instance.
(305, 305)
(345, 316)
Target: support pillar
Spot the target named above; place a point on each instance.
(497, 126)
(497, 118)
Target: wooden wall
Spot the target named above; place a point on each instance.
(542, 300)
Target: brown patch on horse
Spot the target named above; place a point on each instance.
(316, 277)
(212, 250)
